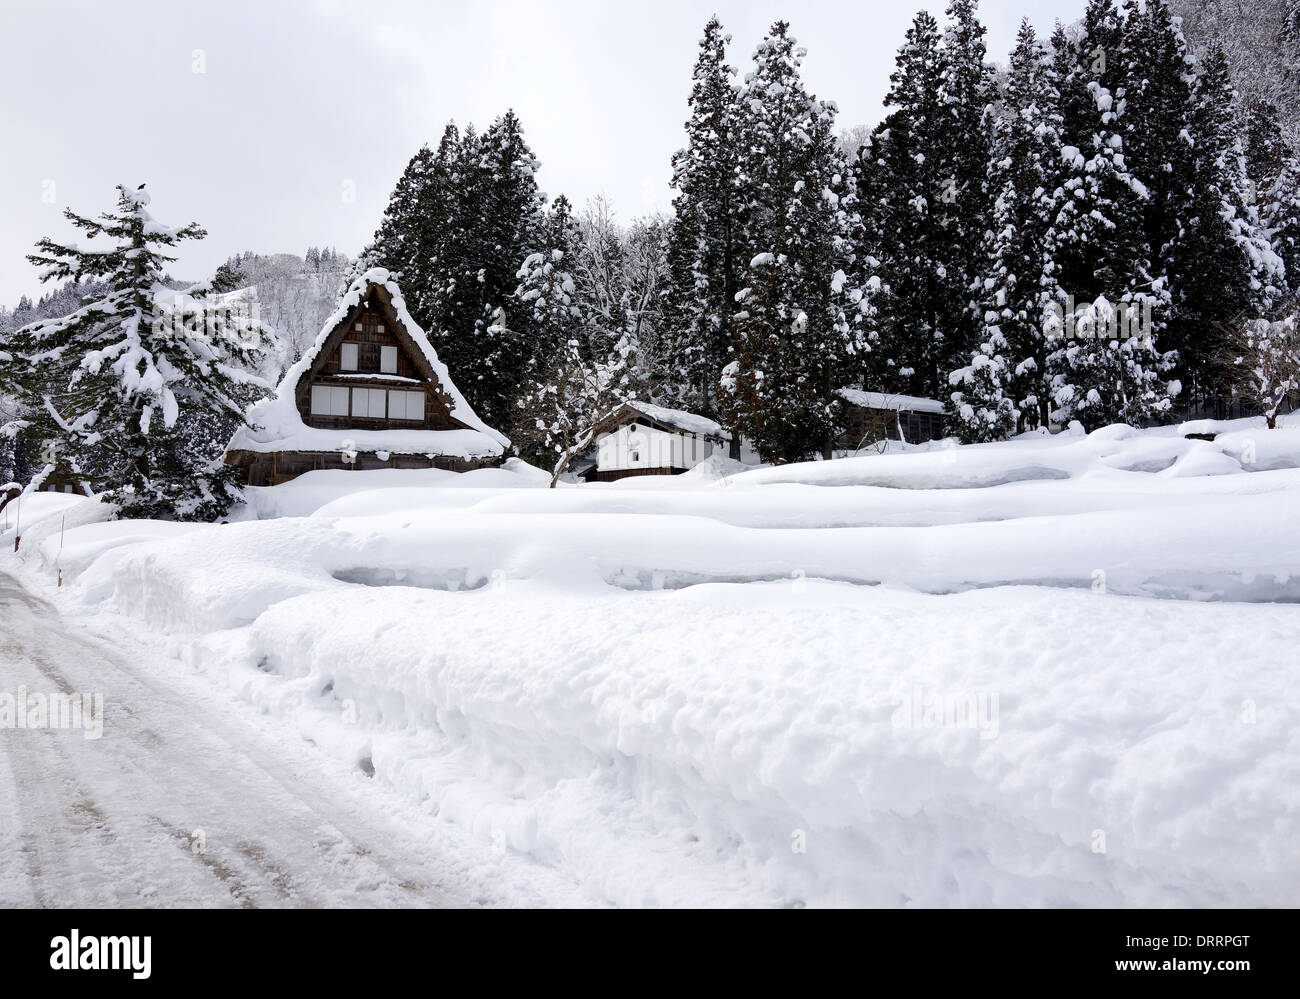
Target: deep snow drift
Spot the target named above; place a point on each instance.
(1056, 671)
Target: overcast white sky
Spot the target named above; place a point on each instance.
(257, 118)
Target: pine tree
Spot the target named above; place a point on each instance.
(1107, 361)
(705, 250)
(1156, 74)
(968, 91)
(1106, 368)
(1005, 387)
(1274, 187)
(226, 279)
(138, 389)
(982, 403)
(404, 241)
(10, 424)
(1222, 270)
(508, 225)
(924, 307)
(23, 313)
(798, 333)
(458, 223)
(570, 380)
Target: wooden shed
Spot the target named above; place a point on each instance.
(370, 393)
(878, 416)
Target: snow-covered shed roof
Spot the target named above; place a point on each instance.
(677, 419)
(890, 401)
(277, 425)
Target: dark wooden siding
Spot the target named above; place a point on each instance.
(614, 474)
(370, 335)
(866, 426)
(271, 469)
(370, 338)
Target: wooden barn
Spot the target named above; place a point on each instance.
(878, 416)
(642, 439)
(370, 393)
(61, 478)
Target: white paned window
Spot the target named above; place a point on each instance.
(406, 405)
(380, 327)
(329, 400)
(415, 405)
(388, 359)
(358, 327)
(368, 402)
(348, 360)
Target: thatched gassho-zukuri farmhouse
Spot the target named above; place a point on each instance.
(369, 393)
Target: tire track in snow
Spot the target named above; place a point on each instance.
(182, 801)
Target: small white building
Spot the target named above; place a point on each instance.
(643, 439)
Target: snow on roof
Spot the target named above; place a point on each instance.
(679, 418)
(890, 401)
(280, 425)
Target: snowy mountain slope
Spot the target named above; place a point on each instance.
(1058, 671)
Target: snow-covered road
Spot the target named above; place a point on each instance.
(193, 800)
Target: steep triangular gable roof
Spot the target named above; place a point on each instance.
(279, 422)
(376, 285)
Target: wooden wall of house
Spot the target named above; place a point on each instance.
(614, 474)
(370, 322)
(867, 426)
(372, 329)
(270, 469)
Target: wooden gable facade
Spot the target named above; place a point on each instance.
(369, 375)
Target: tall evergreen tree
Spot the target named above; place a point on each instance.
(399, 241)
(574, 376)
(458, 223)
(706, 254)
(799, 329)
(1222, 270)
(509, 222)
(1274, 187)
(1156, 76)
(139, 389)
(907, 190)
(1005, 387)
(968, 92)
(1107, 360)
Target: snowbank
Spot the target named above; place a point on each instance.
(1056, 671)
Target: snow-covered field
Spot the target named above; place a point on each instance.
(1057, 671)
